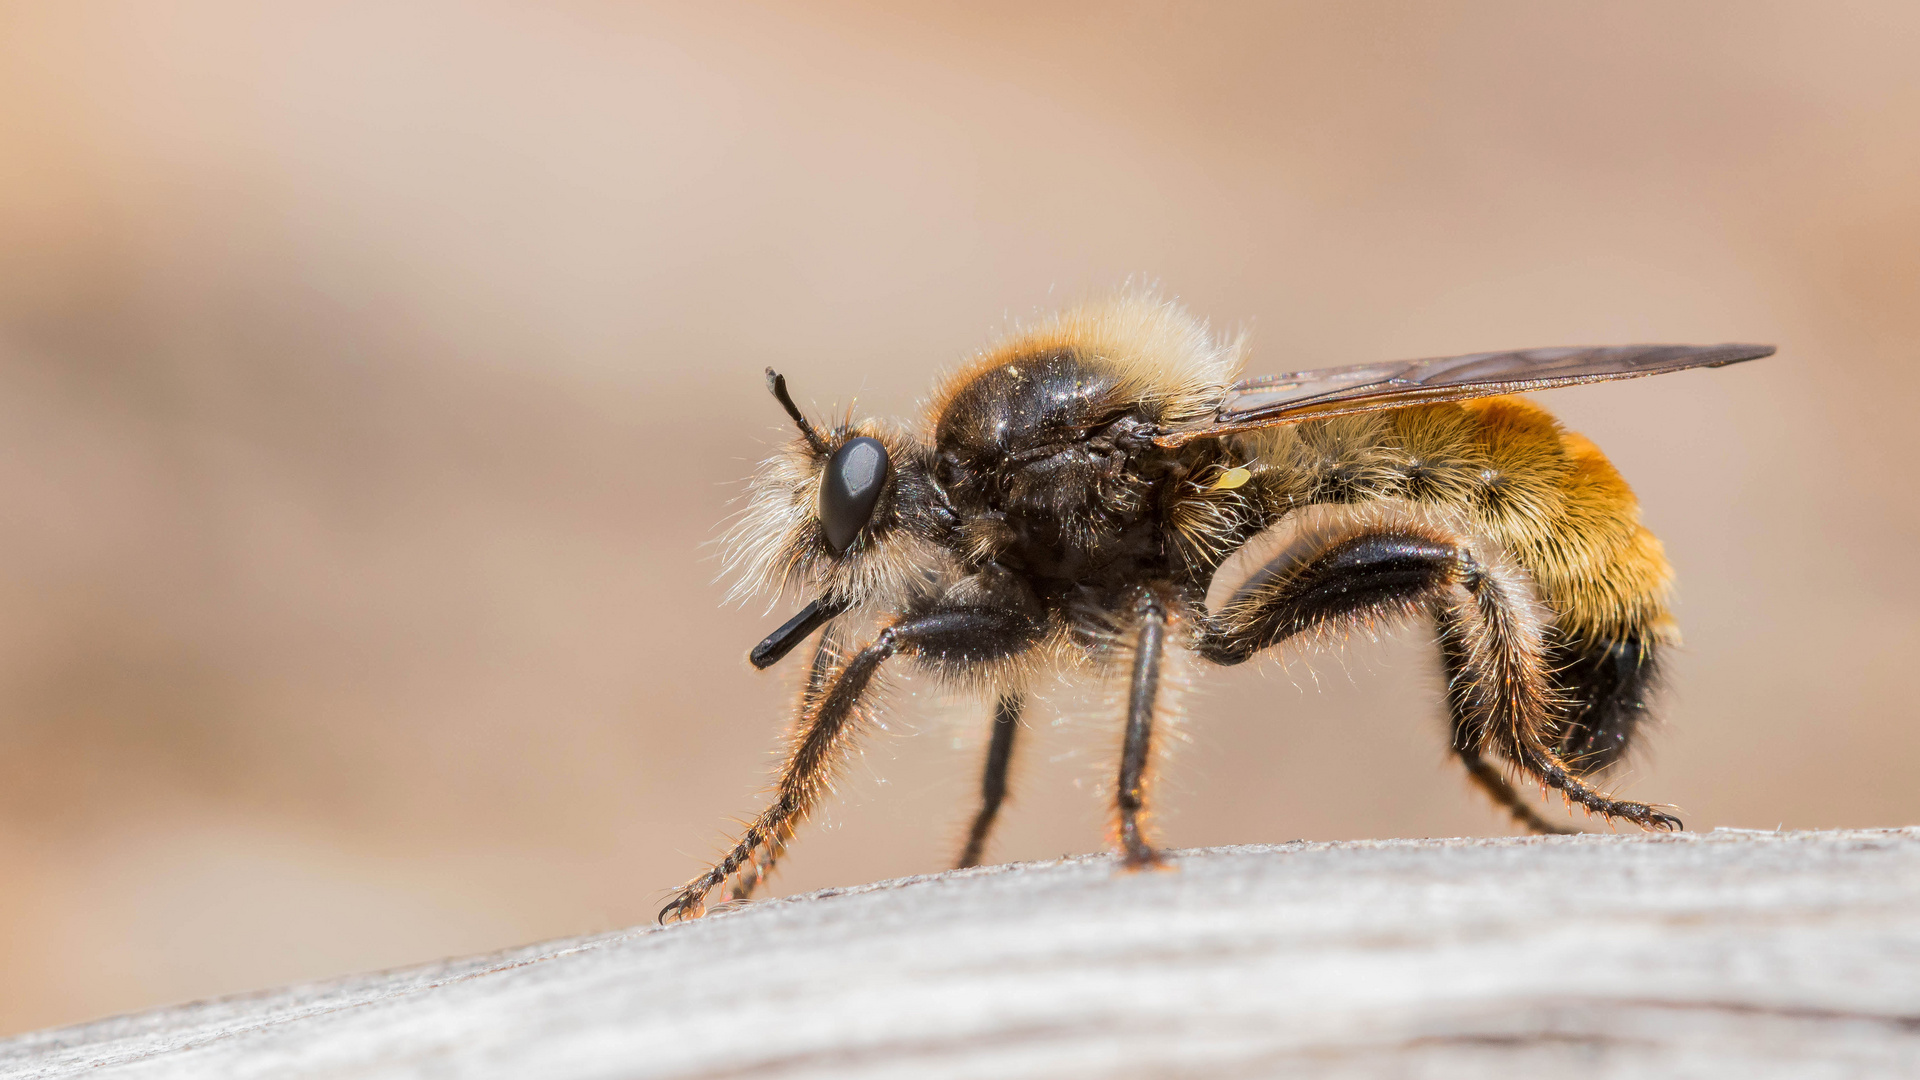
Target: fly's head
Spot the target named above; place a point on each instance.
(844, 515)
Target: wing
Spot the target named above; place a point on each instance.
(1311, 395)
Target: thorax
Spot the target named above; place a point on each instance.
(1054, 473)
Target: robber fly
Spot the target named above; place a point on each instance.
(1073, 490)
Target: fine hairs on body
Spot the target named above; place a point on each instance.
(1072, 491)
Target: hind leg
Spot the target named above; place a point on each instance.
(1491, 781)
(1603, 690)
(1493, 633)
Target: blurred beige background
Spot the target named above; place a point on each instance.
(374, 376)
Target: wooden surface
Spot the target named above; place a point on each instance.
(1724, 954)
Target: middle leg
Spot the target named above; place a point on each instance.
(1136, 753)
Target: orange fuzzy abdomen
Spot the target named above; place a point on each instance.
(1577, 528)
(1548, 496)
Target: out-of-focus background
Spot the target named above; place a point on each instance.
(373, 378)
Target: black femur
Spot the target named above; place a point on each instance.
(856, 474)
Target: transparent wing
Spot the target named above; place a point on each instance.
(1308, 395)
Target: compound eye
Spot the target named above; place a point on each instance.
(856, 474)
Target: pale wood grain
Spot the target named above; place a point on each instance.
(1725, 954)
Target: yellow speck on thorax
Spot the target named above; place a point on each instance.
(1231, 479)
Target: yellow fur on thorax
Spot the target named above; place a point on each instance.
(1547, 495)
(1160, 355)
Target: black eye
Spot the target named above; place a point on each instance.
(855, 476)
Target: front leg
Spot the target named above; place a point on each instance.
(826, 656)
(955, 638)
